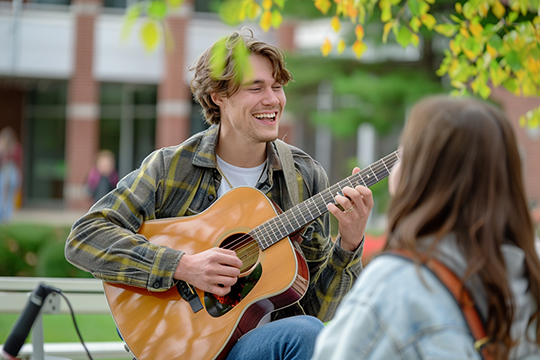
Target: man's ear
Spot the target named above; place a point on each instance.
(216, 98)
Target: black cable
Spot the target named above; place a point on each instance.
(75, 323)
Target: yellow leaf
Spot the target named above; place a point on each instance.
(267, 4)
(459, 8)
(150, 35)
(351, 11)
(323, 5)
(464, 32)
(415, 23)
(533, 65)
(336, 25)
(522, 121)
(326, 47)
(476, 29)
(341, 47)
(359, 48)
(415, 40)
(498, 9)
(528, 87)
(484, 8)
(266, 20)
(428, 20)
(359, 32)
(491, 51)
(253, 10)
(386, 30)
(454, 47)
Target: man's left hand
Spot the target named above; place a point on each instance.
(357, 204)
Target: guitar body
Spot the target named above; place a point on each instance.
(162, 325)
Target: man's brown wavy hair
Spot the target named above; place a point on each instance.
(228, 81)
(461, 173)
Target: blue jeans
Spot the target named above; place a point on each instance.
(286, 339)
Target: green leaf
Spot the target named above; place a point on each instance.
(413, 6)
(447, 30)
(242, 66)
(132, 14)
(403, 36)
(157, 9)
(218, 56)
(277, 19)
(512, 16)
(230, 12)
(496, 43)
(471, 48)
(513, 60)
(175, 3)
(511, 85)
(280, 3)
(469, 10)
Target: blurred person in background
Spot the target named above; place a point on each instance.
(10, 176)
(103, 176)
(458, 197)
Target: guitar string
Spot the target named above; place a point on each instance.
(247, 238)
(376, 168)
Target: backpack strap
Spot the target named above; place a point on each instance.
(289, 171)
(461, 295)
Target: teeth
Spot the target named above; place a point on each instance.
(265, 116)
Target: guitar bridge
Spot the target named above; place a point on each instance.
(188, 293)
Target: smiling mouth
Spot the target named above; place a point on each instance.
(266, 116)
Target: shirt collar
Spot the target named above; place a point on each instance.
(205, 154)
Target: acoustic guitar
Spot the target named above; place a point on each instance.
(185, 323)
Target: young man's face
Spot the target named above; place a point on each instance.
(253, 113)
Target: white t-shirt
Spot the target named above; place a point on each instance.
(238, 176)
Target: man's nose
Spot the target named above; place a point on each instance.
(270, 97)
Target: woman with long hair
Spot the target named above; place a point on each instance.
(457, 197)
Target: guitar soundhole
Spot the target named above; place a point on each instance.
(247, 250)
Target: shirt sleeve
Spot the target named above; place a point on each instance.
(333, 270)
(105, 242)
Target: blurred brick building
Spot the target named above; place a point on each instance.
(69, 87)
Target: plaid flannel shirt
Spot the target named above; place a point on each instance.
(180, 181)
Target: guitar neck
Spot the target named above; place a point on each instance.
(302, 214)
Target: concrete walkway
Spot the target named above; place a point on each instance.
(47, 216)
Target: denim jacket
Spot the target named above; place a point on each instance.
(393, 313)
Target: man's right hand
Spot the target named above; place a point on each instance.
(214, 270)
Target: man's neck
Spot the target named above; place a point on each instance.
(241, 153)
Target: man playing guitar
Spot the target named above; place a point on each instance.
(237, 150)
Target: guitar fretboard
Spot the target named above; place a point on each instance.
(302, 214)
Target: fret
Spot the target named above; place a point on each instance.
(291, 213)
(373, 173)
(302, 214)
(387, 171)
(312, 217)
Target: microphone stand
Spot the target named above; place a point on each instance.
(51, 305)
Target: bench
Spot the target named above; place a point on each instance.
(86, 297)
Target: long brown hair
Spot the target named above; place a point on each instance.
(461, 173)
